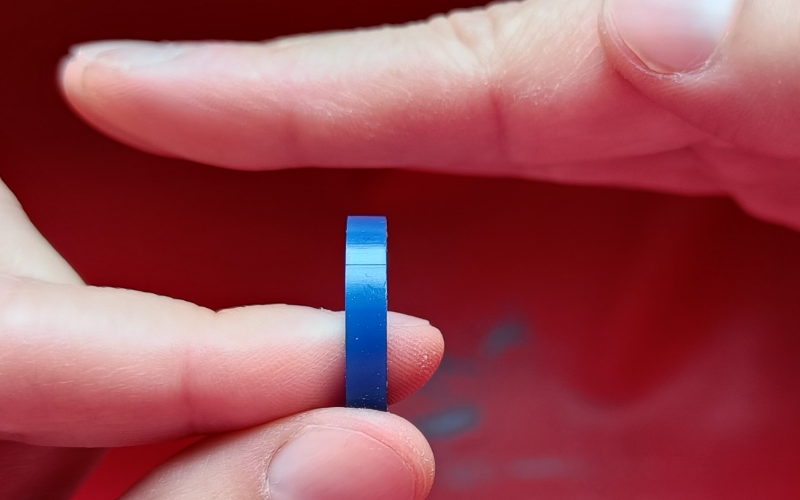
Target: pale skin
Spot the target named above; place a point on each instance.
(543, 89)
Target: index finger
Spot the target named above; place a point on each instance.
(510, 89)
(99, 367)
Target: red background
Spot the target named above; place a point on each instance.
(601, 343)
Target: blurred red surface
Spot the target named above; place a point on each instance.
(602, 343)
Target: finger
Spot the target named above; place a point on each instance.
(514, 88)
(23, 250)
(83, 366)
(35, 471)
(332, 454)
(727, 67)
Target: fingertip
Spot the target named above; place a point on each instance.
(85, 85)
(68, 77)
(415, 350)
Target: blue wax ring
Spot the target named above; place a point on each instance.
(366, 304)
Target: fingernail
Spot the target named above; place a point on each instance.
(127, 54)
(330, 463)
(671, 36)
(399, 319)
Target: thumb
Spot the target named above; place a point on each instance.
(327, 454)
(728, 67)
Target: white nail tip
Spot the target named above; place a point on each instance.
(127, 54)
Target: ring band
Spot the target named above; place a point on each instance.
(366, 303)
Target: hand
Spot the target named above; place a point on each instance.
(85, 368)
(637, 93)
(536, 89)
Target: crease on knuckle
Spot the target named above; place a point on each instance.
(192, 357)
(473, 38)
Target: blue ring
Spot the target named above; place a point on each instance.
(366, 303)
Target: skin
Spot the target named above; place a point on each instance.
(541, 89)
(86, 368)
